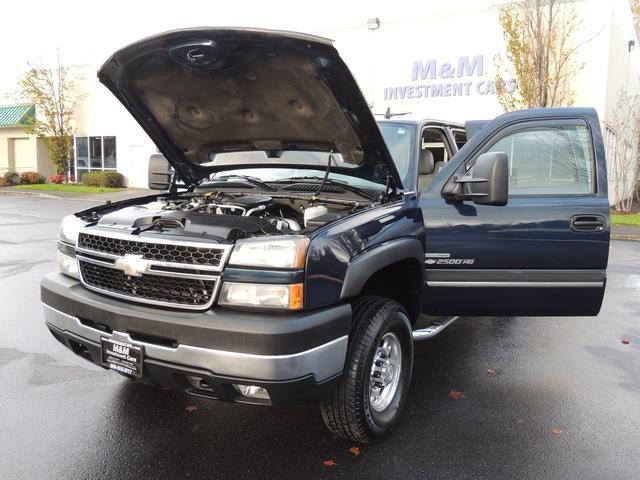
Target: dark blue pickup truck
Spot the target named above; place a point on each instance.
(300, 246)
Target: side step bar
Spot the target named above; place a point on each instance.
(432, 330)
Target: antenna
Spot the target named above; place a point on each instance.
(387, 114)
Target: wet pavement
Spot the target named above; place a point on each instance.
(491, 397)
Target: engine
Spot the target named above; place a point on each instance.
(221, 216)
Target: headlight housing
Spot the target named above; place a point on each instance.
(67, 263)
(262, 295)
(70, 229)
(68, 237)
(281, 252)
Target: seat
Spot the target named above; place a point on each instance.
(426, 170)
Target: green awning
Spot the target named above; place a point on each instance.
(16, 115)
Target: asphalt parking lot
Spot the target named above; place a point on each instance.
(491, 397)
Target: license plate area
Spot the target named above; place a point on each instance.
(122, 357)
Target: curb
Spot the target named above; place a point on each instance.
(625, 237)
(88, 198)
(79, 197)
(17, 193)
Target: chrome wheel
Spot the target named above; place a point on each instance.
(385, 372)
(368, 401)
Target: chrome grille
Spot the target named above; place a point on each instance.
(177, 274)
(161, 289)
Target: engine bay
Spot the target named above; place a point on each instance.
(229, 216)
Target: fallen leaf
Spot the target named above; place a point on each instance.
(191, 408)
(329, 463)
(491, 371)
(556, 431)
(455, 394)
(625, 341)
(355, 451)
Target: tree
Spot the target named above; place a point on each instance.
(622, 138)
(635, 10)
(51, 90)
(540, 53)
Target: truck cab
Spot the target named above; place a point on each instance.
(297, 242)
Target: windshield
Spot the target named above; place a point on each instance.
(279, 174)
(400, 140)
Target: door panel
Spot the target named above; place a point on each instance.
(546, 251)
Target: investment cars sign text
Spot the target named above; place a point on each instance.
(432, 78)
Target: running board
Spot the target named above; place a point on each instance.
(432, 330)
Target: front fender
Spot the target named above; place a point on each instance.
(363, 266)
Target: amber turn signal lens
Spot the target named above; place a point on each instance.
(295, 296)
(301, 255)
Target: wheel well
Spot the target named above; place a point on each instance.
(401, 281)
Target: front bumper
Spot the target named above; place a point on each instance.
(296, 357)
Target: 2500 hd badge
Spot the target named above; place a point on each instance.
(284, 260)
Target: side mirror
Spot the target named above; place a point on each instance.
(160, 172)
(489, 182)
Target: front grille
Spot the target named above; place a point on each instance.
(182, 275)
(181, 292)
(161, 252)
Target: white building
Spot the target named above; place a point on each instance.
(107, 136)
(437, 62)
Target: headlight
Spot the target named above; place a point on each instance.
(66, 257)
(70, 229)
(280, 252)
(68, 237)
(261, 295)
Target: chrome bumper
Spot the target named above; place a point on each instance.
(324, 361)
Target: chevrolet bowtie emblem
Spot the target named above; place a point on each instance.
(132, 265)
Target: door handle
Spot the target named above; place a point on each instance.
(588, 223)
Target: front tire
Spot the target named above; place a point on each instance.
(372, 392)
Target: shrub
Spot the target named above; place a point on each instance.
(111, 179)
(30, 178)
(57, 178)
(3, 183)
(91, 179)
(12, 178)
(103, 179)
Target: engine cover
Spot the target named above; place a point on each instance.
(224, 227)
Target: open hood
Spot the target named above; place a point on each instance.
(200, 93)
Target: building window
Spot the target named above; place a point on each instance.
(94, 154)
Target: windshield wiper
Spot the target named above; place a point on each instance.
(337, 183)
(249, 179)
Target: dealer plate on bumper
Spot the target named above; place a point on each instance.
(122, 357)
